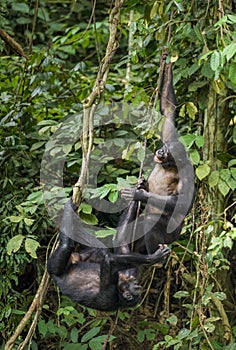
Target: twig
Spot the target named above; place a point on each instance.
(36, 304)
(130, 48)
(12, 43)
(34, 25)
(111, 330)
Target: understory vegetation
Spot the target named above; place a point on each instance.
(51, 52)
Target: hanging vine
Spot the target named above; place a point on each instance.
(91, 102)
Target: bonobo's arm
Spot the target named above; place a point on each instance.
(168, 104)
(124, 235)
(143, 196)
(59, 259)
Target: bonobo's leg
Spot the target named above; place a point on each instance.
(70, 227)
(124, 235)
(59, 259)
(129, 260)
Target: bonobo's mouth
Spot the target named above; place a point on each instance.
(158, 159)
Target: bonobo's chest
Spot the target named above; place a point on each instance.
(163, 181)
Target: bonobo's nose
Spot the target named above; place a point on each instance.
(160, 153)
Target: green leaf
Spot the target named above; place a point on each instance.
(113, 196)
(191, 109)
(15, 219)
(232, 18)
(199, 140)
(36, 196)
(42, 327)
(67, 148)
(97, 343)
(202, 171)
(214, 178)
(105, 232)
(232, 73)
(101, 192)
(14, 244)
(194, 156)
(225, 174)
(183, 333)
(74, 335)
(20, 7)
(187, 140)
(85, 208)
(232, 162)
(207, 71)
(141, 336)
(172, 320)
(75, 346)
(181, 294)
(228, 242)
(182, 111)
(220, 295)
(229, 51)
(141, 154)
(233, 172)
(89, 219)
(215, 60)
(37, 145)
(28, 222)
(90, 334)
(223, 187)
(154, 9)
(31, 246)
(232, 183)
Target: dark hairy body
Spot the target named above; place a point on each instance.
(170, 187)
(94, 276)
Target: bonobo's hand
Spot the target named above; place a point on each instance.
(142, 184)
(159, 254)
(131, 194)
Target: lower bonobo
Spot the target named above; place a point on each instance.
(94, 277)
(170, 186)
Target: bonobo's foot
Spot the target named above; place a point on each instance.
(159, 254)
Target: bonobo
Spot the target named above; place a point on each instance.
(93, 276)
(171, 189)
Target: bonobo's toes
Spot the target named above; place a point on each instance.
(164, 249)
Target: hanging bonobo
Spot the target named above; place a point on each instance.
(170, 193)
(93, 276)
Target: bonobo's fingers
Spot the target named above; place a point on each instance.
(135, 195)
(128, 193)
(142, 184)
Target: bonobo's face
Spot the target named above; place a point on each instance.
(129, 289)
(163, 157)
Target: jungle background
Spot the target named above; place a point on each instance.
(47, 72)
